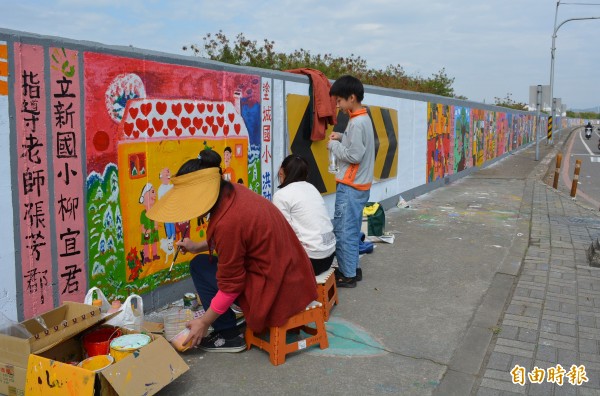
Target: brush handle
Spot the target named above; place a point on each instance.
(175, 256)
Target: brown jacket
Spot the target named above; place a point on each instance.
(261, 258)
(324, 106)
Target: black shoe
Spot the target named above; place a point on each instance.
(344, 281)
(217, 343)
(358, 276)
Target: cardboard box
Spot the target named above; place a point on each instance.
(144, 372)
(62, 323)
(41, 366)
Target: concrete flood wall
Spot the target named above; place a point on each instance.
(90, 133)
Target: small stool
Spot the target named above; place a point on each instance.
(327, 291)
(277, 345)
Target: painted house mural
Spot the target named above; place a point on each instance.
(91, 136)
(146, 121)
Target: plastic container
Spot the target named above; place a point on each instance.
(178, 340)
(176, 322)
(97, 363)
(333, 166)
(97, 342)
(126, 345)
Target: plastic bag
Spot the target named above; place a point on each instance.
(130, 317)
(14, 329)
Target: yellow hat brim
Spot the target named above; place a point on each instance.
(192, 195)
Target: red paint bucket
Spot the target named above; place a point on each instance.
(97, 342)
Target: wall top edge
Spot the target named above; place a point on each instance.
(188, 60)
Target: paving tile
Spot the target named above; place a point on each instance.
(503, 386)
(514, 351)
(500, 361)
(567, 357)
(529, 346)
(549, 326)
(483, 391)
(528, 335)
(588, 346)
(567, 329)
(547, 353)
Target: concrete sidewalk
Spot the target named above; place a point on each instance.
(463, 295)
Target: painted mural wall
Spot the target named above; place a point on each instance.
(90, 136)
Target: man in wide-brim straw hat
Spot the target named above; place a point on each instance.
(261, 264)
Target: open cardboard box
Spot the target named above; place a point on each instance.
(40, 365)
(62, 323)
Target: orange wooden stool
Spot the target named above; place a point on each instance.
(327, 291)
(277, 345)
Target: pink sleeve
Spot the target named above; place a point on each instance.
(222, 301)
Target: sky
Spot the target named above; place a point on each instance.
(492, 48)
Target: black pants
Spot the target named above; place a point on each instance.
(322, 265)
(204, 275)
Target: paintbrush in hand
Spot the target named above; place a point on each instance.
(175, 256)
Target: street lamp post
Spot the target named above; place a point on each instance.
(552, 71)
(552, 56)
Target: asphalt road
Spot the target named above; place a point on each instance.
(579, 148)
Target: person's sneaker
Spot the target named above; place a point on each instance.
(217, 343)
(358, 276)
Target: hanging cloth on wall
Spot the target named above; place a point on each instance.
(324, 106)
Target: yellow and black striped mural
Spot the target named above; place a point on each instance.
(385, 126)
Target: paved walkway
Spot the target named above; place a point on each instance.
(553, 316)
(486, 273)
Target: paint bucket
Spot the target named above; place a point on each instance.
(126, 345)
(97, 363)
(97, 342)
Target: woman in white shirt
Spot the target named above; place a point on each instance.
(303, 207)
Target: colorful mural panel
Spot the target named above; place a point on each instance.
(144, 120)
(490, 136)
(462, 139)
(478, 128)
(502, 130)
(440, 129)
(477, 136)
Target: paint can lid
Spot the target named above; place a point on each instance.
(130, 342)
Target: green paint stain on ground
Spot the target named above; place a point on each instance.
(348, 339)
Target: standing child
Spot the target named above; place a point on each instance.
(355, 153)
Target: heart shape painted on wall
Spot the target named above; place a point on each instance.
(157, 123)
(161, 107)
(198, 122)
(176, 109)
(189, 107)
(146, 108)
